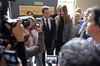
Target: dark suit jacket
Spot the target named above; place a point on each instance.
(49, 34)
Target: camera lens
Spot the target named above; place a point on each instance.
(26, 23)
(37, 25)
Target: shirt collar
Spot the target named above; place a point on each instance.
(45, 18)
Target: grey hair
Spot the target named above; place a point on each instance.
(76, 52)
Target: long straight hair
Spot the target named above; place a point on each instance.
(65, 17)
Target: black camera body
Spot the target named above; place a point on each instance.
(9, 55)
(38, 22)
(13, 22)
(52, 59)
(37, 25)
(7, 34)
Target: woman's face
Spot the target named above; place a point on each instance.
(30, 14)
(62, 12)
(31, 23)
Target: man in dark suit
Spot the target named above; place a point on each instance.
(49, 31)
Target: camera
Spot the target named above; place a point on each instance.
(13, 22)
(7, 34)
(38, 22)
(9, 55)
(52, 59)
(37, 25)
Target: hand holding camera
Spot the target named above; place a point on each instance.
(17, 30)
(8, 57)
(38, 24)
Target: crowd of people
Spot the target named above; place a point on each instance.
(40, 36)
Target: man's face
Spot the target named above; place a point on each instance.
(91, 28)
(46, 13)
(86, 14)
(77, 18)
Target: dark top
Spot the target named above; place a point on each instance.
(60, 30)
(21, 53)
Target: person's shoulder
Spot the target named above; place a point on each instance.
(56, 17)
(82, 20)
(89, 39)
(70, 21)
(51, 18)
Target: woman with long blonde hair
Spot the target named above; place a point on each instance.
(63, 28)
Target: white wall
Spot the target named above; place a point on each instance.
(84, 4)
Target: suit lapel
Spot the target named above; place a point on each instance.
(50, 24)
(44, 25)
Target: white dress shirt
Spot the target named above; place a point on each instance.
(35, 33)
(48, 22)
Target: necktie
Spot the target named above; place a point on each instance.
(47, 24)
